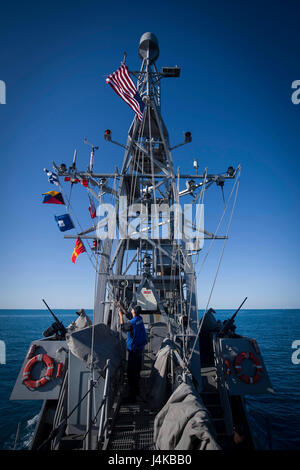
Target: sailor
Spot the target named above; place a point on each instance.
(210, 324)
(136, 341)
(82, 321)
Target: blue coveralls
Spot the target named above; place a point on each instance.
(136, 340)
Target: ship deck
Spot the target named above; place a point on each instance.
(133, 426)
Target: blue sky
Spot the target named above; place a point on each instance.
(238, 60)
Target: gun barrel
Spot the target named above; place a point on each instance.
(231, 320)
(55, 318)
(58, 322)
(237, 311)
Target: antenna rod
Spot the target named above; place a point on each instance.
(74, 159)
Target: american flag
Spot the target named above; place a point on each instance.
(121, 83)
(52, 177)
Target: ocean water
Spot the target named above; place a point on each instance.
(274, 419)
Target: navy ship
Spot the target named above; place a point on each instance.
(145, 244)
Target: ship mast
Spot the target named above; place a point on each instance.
(149, 256)
(147, 181)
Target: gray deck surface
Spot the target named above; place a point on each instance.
(133, 428)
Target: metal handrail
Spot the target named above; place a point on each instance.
(222, 387)
(55, 431)
(104, 410)
(60, 410)
(17, 435)
(60, 404)
(90, 421)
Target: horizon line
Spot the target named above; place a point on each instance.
(217, 308)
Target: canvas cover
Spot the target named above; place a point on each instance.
(107, 345)
(158, 381)
(81, 322)
(184, 423)
(157, 333)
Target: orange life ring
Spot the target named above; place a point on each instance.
(238, 368)
(33, 384)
